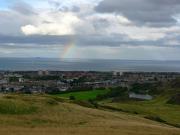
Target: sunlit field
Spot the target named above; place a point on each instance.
(83, 95)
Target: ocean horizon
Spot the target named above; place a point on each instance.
(54, 64)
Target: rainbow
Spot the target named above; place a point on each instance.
(68, 49)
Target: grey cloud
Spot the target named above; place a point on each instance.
(10, 23)
(80, 40)
(101, 23)
(72, 9)
(58, 6)
(150, 12)
(76, 9)
(18, 15)
(23, 8)
(36, 39)
(25, 46)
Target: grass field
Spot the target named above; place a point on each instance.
(156, 108)
(46, 115)
(84, 95)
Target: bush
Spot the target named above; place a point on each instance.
(13, 79)
(94, 103)
(155, 118)
(175, 83)
(117, 92)
(72, 98)
(175, 100)
(84, 103)
(145, 88)
(52, 102)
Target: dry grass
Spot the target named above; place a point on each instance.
(89, 131)
(56, 118)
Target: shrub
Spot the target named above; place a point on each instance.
(94, 103)
(155, 118)
(72, 98)
(174, 99)
(115, 93)
(52, 102)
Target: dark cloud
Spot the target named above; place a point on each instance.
(149, 12)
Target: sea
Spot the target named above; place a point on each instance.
(53, 64)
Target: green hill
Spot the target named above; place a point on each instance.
(35, 115)
(163, 108)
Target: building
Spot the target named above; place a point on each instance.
(43, 73)
(117, 73)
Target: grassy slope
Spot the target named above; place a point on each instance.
(84, 95)
(48, 116)
(157, 107)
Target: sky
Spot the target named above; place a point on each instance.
(90, 29)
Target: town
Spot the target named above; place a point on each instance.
(31, 82)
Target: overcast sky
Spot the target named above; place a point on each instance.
(108, 29)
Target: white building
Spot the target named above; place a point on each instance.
(41, 72)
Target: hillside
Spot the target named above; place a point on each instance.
(164, 107)
(35, 115)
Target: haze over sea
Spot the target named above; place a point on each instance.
(31, 64)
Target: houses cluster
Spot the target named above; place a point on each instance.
(149, 77)
(59, 81)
